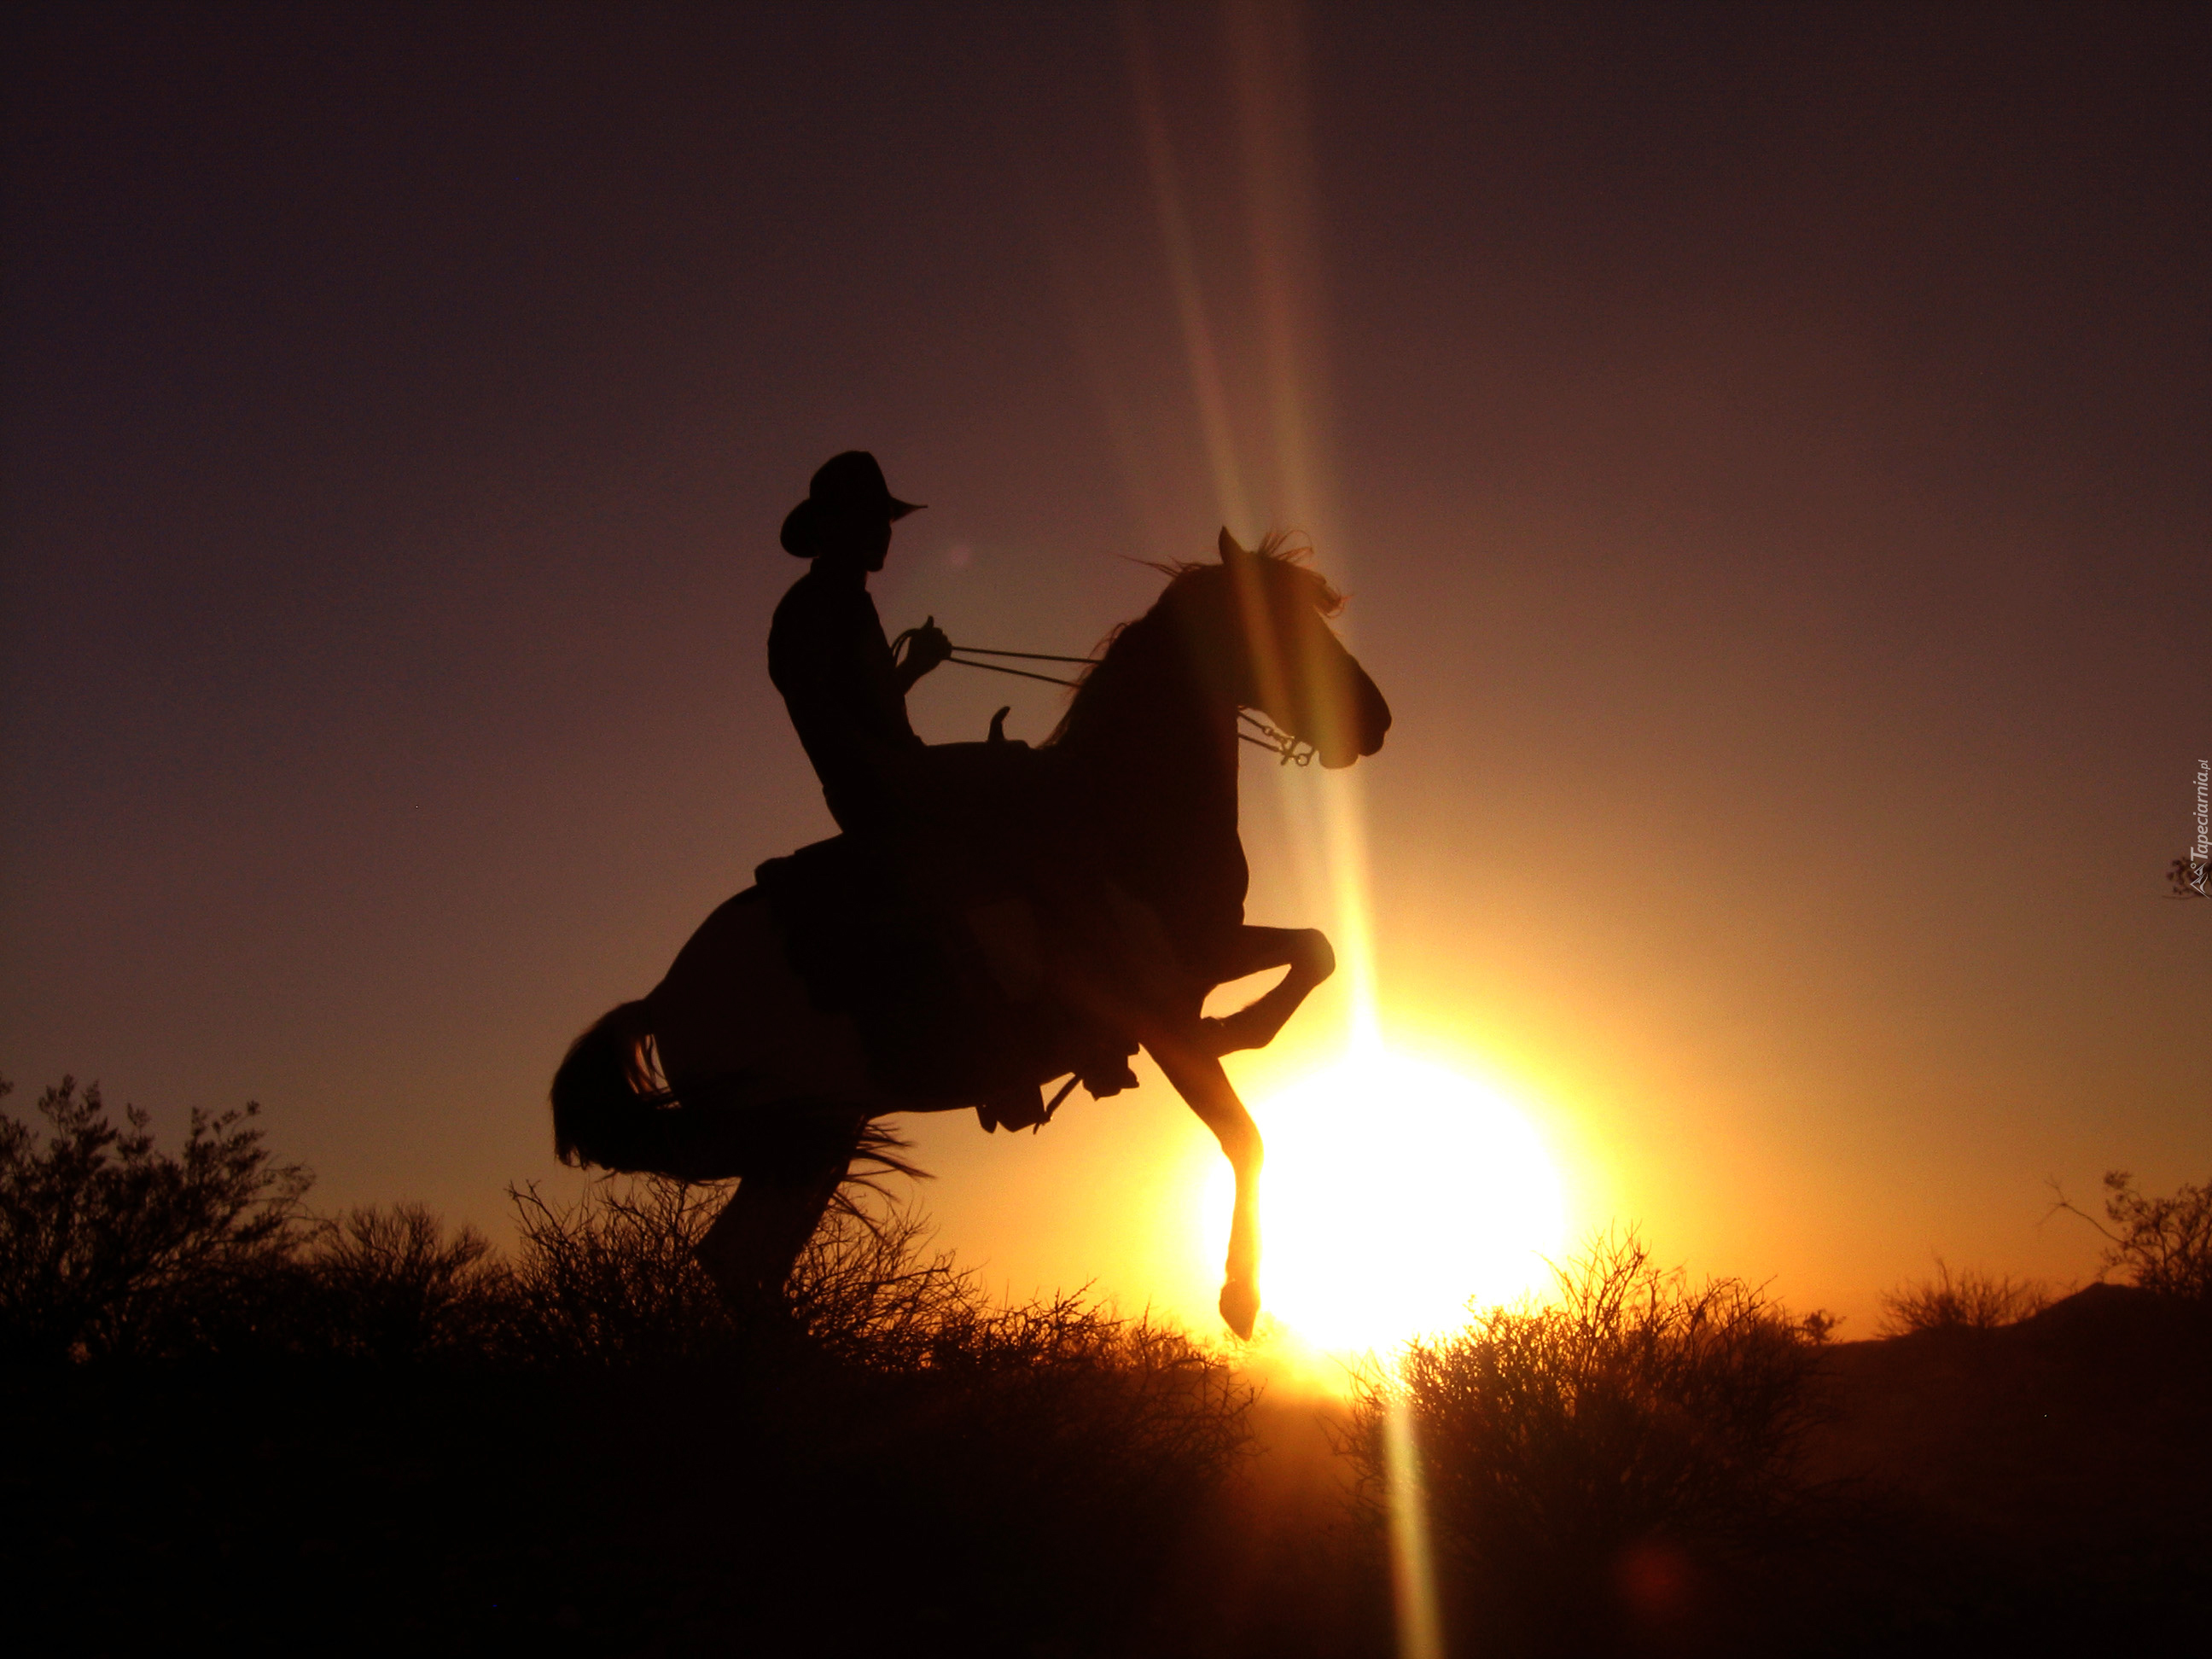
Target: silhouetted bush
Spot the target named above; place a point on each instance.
(1971, 1301)
(1573, 1449)
(367, 1384)
(391, 1284)
(110, 1248)
(1059, 1381)
(612, 1280)
(2161, 1244)
(870, 1288)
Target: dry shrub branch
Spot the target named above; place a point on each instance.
(2161, 1244)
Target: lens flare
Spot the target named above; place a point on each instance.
(1413, 1563)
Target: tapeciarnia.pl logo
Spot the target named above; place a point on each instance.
(2189, 874)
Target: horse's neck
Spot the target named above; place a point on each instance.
(1155, 761)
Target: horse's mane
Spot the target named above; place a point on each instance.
(1279, 547)
(1285, 560)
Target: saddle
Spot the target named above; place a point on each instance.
(931, 941)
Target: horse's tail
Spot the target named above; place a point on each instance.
(607, 1096)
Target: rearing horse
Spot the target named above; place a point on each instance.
(728, 1067)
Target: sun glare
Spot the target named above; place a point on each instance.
(1394, 1191)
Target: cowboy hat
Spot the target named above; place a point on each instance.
(846, 490)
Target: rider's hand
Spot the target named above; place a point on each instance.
(925, 648)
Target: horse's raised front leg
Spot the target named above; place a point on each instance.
(1305, 950)
(1197, 1076)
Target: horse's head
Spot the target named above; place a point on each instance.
(1257, 628)
(1149, 740)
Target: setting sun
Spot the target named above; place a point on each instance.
(1395, 1190)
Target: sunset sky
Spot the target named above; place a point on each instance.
(1766, 446)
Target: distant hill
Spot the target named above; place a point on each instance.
(2039, 1476)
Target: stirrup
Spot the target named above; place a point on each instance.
(1107, 1075)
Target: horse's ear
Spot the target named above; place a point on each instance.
(1230, 549)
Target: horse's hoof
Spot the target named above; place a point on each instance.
(1240, 1306)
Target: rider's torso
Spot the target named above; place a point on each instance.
(827, 656)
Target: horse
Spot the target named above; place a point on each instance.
(730, 1067)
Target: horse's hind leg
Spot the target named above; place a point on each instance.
(754, 1243)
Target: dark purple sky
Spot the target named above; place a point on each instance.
(1767, 446)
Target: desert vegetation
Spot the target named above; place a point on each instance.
(2163, 1245)
(233, 1414)
(1969, 1300)
(2158, 1245)
(1586, 1455)
(1641, 1462)
(372, 1411)
(112, 1249)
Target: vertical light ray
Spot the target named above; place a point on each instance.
(1266, 45)
(1344, 839)
(1266, 57)
(1413, 1567)
(1327, 812)
(1324, 811)
(1206, 384)
(1163, 536)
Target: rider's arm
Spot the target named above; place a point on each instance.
(926, 646)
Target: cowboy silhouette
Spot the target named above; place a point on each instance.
(827, 654)
(929, 831)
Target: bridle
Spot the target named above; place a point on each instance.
(1288, 750)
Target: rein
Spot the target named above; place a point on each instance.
(1287, 750)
